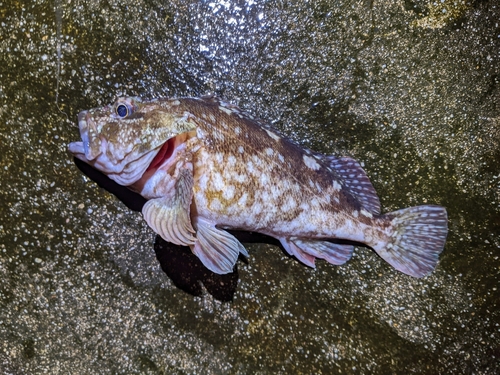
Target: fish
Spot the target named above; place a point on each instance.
(206, 167)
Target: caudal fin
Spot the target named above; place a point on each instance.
(418, 239)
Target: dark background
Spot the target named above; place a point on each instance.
(409, 88)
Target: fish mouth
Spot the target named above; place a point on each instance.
(77, 150)
(163, 154)
(168, 149)
(82, 149)
(165, 159)
(83, 126)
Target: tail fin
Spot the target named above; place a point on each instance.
(418, 239)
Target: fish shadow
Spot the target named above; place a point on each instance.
(178, 262)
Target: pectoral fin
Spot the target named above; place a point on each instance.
(217, 249)
(169, 216)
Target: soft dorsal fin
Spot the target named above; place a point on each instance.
(356, 180)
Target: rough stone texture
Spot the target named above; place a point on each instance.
(409, 88)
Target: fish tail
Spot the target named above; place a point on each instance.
(419, 235)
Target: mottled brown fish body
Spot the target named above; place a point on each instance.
(206, 166)
(244, 170)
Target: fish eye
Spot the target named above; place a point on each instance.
(125, 107)
(122, 110)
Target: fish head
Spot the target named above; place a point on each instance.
(121, 140)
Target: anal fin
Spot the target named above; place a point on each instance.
(294, 250)
(333, 253)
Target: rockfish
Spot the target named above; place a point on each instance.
(206, 166)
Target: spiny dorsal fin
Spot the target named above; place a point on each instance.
(356, 180)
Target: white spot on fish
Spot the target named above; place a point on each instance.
(199, 133)
(269, 151)
(355, 213)
(237, 130)
(226, 110)
(250, 167)
(289, 205)
(276, 193)
(219, 157)
(212, 117)
(240, 149)
(311, 162)
(336, 185)
(175, 102)
(218, 182)
(257, 208)
(231, 160)
(274, 136)
(243, 199)
(240, 177)
(305, 206)
(264, 179)
(215, 205)
(219, 136)
(228, 192)
(366, 213)
(281, 158)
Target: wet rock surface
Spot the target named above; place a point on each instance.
(409, 88)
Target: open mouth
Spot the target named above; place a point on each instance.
(163, 155)
(165, 159)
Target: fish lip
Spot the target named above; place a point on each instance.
(88, 132)
(77, 151)
(82, 118)
(76, 148)
(83, 126)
